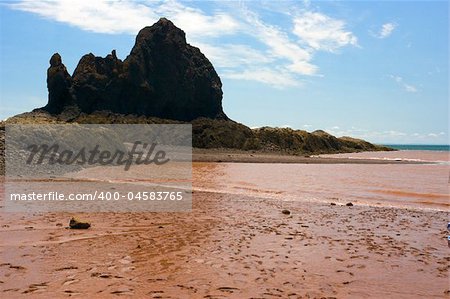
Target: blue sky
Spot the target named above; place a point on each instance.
(376, 70)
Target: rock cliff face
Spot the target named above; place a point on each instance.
(162, 77)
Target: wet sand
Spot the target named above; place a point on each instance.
(229, 247)
(237, 156)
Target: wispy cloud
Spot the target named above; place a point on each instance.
(297, 59)
(196, 22)
(407, 87)
(436, 135)
(386, 30)
(284, 58)
(389, 136)
(234, 55)
(321, 32)
(278, 79)
(115, 17)
(267, 53)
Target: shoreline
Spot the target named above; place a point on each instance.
(237, 156)
(240, 156)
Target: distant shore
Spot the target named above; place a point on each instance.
(236, 156)
(240, 156)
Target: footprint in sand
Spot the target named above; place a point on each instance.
(230, 290)
(67, 268)
(70, 292)
(101, 275)
(11, 290)
(124, 290)
(36, 287)
(126, 260)
(70, 281)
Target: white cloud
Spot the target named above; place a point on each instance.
(96, 16)
(278, 79)
(389, 136)
(253, 49)
(386, 30)
(321, 32)
(436, 135)
(393, 133)
(195, 22)
(234, 55)
(280, 45)
(128, 16)
(428, 135)
(410, 88)
(407, 87)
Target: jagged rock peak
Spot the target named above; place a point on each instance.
(163, 77)
(59, 83)
(164, 29)
(55, 60)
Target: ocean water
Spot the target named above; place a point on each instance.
(420, 147)
(402, 185)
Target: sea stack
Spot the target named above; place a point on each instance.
(162, 77)
(59, 84)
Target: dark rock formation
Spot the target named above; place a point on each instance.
(162, 77)
(212, 133)
(77, 224)
(165, 80)
(59, 84)
(317, 142)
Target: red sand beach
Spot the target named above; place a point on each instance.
(237, 243)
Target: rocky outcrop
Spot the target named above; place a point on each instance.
(302, 142)
(59, 85)
(165, 80)
(162, 77)
(78, 224)
(215, 134)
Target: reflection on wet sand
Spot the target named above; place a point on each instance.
(416, 186)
